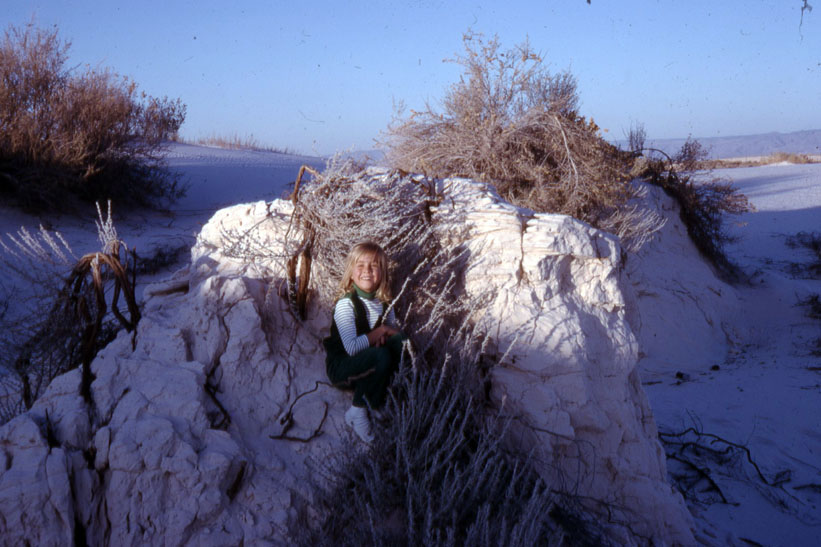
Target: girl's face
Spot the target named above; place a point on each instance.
(366, 272)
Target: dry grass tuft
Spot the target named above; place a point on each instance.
(90, 135)
(437, 474)
(811, 242)
(777, 157)
(235, 142)
(73, 312)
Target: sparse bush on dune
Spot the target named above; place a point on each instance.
(703, 200)
(508, 121)
(811, 243)
(776, 157)
(789, 157)
(91, 135)
(235, 142)
(812, 303)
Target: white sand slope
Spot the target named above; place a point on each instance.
(743, 355)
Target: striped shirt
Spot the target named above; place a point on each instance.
(346, 322)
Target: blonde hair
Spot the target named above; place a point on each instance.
(383, 291)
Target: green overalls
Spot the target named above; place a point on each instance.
(369, 371)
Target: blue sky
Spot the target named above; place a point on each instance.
(318, 77)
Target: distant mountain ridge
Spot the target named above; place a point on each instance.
(764, 144)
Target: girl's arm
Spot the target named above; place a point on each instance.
(346, 324)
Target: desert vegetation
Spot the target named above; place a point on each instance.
(85, 135)
(70, 310)
(775, 157)
(440, 474)
(704, 201)
(812, 309)
(68, 137)
(510, 122)
(810, 242)
(789, 157)
(234, 142)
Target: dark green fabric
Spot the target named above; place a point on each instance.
(363, 294)
(369, 371)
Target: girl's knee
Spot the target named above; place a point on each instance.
(383, 361)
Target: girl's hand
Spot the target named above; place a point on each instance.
(378, 336)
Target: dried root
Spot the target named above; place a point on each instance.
(702, 466)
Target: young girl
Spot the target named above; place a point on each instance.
(365, 346)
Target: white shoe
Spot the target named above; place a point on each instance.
(357, 418)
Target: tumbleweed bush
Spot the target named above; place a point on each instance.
(85, 134)
(510, 122)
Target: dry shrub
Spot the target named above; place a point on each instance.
(812, 303)
(703, 201)
(235, 142)
(816, 347)
(810, 242)
(91, 135)
(66, 310)
(509, 122)
(779, 157)
(438, 473)
(348, 203)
